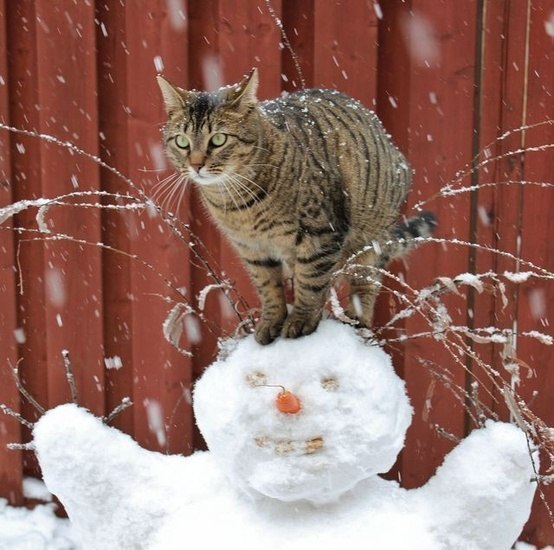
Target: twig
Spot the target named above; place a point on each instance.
(10, 412)
(479, 413)
(447, 435)
(286, 43)
(543, 479)
(540, 480)
(30, 399)
(125, 404)
(70, 377)
(21, 446)
(169, 219)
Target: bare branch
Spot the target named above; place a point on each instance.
(21, 446)
(447, 435)
(30, 399)
(70, 377)
(125, 404)
(10, 412)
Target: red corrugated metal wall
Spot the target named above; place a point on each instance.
(446, 77)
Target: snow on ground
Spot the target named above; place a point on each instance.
(37, 529)
(121, 496)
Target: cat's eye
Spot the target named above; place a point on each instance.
(218, 139)
(182, 141)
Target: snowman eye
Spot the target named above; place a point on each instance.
(182, 141)
(330, 384)
(218, 139)
(256, 379)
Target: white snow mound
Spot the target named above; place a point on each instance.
(120, 496)
(352, 424)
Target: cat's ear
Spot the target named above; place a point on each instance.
(244, 92)
(174, 99)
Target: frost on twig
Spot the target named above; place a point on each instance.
(447, 435)
(40, 217)
(203, 294)
(69, 376)
(173, 326)
(12, 209)
(337, 309)
(10, 412)
(21, 446)
(125, 404)
(23, 391)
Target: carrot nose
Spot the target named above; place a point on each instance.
(287, 402)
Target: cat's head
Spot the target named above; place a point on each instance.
(211, 135)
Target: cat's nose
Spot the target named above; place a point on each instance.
(197, 160)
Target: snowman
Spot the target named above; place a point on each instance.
(297, 432)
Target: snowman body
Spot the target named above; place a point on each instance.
(275, 480)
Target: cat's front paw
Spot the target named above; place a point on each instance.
(299, 324)
(268, 330)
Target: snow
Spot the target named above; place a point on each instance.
(119, 495)
(549, 25)
(114, 362)
(10, 210)
(35, 489)
(519, 277)
(37, 529)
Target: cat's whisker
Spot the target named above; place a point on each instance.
(152, 169)
(251, 165)
(172, 175)
(161, 185)
(251, 181)
(260, 148)
(157, 197)
(180, 184)
(172, 190)
(240, 189)
(244, 187)
(181, 196)
(228, 180)
(237, 187)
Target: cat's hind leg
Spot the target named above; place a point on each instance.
(366, 270)
(317, 253)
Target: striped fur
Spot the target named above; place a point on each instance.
(301, 182)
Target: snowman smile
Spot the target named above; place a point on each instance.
(285, 446)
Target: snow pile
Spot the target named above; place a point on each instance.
(493, 468)
(352, 424)
(22, 529)
(119, 495)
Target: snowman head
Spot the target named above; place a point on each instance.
(348, 420)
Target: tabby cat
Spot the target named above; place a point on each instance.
(304, 182)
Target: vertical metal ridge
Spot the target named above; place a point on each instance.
(474, 195)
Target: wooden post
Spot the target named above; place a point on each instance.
(537, 225)
(11, 465)
(138, 41)
(425, 80)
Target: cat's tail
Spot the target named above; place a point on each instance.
(406, 234)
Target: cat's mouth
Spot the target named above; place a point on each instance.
(203, 177)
